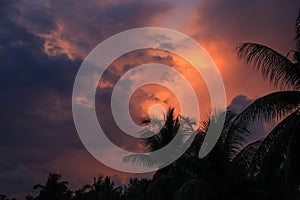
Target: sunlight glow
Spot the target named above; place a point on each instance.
(157, 111)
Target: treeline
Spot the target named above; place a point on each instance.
(101, 189)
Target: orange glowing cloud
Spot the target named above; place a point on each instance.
(148, 95)
(151, 94)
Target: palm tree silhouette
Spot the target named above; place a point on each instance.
(162, 132)
(54, 189)
(275, 163)
(281, 72)
(136, 189)
(184, 173)
(100, 189)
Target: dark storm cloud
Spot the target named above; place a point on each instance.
(32, 86)
(34, 14)
(135, 12)
(36, 89)
(93, 22)
(18, 178)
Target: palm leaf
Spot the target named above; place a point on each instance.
(292, 167)
(141, 159)
(278, 69)
(241, 164)
(217, 158)
(267, 108)
(219, 146)
(268, 143)
(275, 161)
(162, 132)
(272, 106)
(236, 136)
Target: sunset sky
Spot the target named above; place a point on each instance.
(44, 42)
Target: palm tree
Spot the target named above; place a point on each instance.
(100, 189)
(136, 189)
(108, 191)
(54, 189)
(162, 132)
(167, 181)
(281, 72)
(185, 172)
(275, 162)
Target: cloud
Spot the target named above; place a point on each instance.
(35, 105)
(219, 26)
(19, 178)
(75, 33)
(239, 103)
(43, 44)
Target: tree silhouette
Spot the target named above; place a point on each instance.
(210, 171)
(100, 189)
(162, 132)
(136, 189)
(54, 189)
(276, 163)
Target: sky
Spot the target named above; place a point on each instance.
(44, 42)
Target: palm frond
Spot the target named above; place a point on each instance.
(219, 147)
(267, 108)
(268, 143)
(141, 159)
(241, 164)
(162, 133)
(237, 134)
(278, 69)
(204, 124)
(270, 107)
(275, 160)
(217, 158)
(229, 119)
(292, 172)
